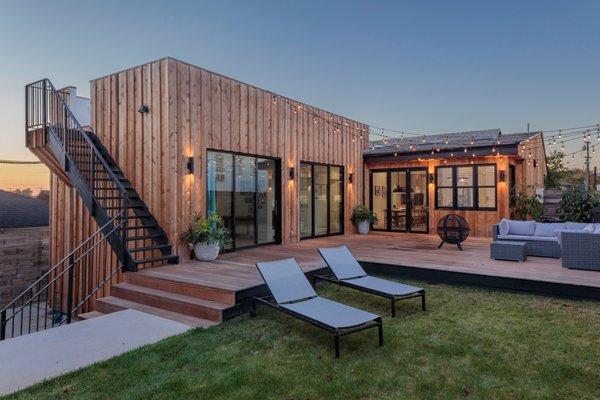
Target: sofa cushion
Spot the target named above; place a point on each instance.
(523, 228)
(503, 227)
(573, 226)
(597, 230)
(547, 230)
(589, 228)
(528, 238)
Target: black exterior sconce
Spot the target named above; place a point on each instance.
(292, 173)
(350, 177)
(502, 176)
(190, 165)
(143, 109)
(431, 177)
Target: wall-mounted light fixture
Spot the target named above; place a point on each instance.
(350, 177)
(535, 163)
(292, 173)
(143, 109)
(431, 177)
(190, 165)
(502, 176)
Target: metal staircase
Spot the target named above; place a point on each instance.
(97, 178)
(125, 223)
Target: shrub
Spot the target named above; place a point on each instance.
(527, 207)
(362, 213)
(210, 230)
(576, 204)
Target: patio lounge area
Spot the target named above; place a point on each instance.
(401, 255)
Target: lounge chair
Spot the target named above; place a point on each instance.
(346, 271)
(292, 293)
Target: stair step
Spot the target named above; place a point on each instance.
(141, 227)
(156, 259)
(180, 285)
(145, 215)
(144, 237)
(112, 304)
(180, 303)
(89, 315)
(150, 248)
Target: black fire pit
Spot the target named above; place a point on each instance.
(453, 229)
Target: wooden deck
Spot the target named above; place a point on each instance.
(400, 254)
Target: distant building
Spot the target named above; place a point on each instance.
(18, 211)
(80, 106)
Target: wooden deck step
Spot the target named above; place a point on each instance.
(176, 302)
(112, 304)
(89, 315)
(178, 284)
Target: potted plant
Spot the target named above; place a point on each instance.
(362, 217)
(206, 235)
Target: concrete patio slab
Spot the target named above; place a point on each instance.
(29, 359)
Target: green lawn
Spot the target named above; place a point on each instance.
(471, 343)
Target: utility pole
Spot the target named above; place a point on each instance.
(586, 147)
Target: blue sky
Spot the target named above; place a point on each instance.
(416, 66)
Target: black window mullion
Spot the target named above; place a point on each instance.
(475, 187)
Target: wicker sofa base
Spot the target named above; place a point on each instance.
(535, 248)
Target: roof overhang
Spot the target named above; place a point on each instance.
(502, 149)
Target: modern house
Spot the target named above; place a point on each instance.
(412, 183)
(168, 138)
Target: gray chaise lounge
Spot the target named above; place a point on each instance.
(292, 294)
(348, 272)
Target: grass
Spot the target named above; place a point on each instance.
(471, 343)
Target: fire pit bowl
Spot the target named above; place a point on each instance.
(453, 229)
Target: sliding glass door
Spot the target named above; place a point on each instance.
(244, 191)
(399, 199)
(321, 200)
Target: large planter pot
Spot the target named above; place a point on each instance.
(206, 252)
(363, 227)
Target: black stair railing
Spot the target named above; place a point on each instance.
(101, 190)
(62, 292)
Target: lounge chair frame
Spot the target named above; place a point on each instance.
(330, 277)
(337, 333)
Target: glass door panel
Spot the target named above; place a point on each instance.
(335, 200)
(306, 196)
(320, 206)
(219, 186)
(418, 201)
(379, 191)
(244, 200)
(398, 200)
(266, 202)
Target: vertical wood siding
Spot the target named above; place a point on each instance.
(192, 110)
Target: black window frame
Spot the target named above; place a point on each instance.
(278, 198)
(312, 184)
(475, 186)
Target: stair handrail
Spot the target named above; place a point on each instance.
(47, 83)
(68, 263)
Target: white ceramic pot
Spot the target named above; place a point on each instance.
(206, 252)
(363, 227)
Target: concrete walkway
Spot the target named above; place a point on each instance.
(29, 359)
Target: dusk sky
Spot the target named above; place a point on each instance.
(430, 67)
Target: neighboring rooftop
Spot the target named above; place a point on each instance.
(18, 211)
(446, 142)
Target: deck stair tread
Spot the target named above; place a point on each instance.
(172, 296)
(156, 259)
(90, 315)
(115, 304)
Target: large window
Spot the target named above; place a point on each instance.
(470, 187)
(321, 200)
(244, 191)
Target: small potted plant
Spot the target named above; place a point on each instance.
(362, 217)
(206, 235)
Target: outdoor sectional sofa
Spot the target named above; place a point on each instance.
(578, 244)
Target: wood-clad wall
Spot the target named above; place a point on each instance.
(480, 222)
(192, 110)
(530, 176)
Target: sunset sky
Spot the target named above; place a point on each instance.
(429, 67)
